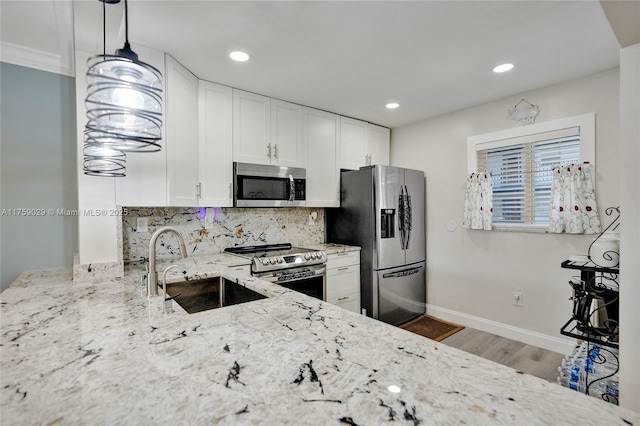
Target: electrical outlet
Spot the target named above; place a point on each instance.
(208, 220)
(517, 298)
(142, 224)
(313, 217)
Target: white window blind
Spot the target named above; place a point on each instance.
(521, 170)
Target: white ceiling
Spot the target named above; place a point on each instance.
(352, 57)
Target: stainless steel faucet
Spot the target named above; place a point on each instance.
(152, 278)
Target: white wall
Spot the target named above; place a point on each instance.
(471, 274)
(630, 228)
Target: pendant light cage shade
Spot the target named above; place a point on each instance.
(103, 161)
(124, 104)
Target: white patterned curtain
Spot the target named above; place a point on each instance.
(573, 200)
(478, 202)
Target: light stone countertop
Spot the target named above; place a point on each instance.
(332, 248)
(104, 354)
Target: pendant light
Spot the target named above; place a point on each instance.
(124, 107)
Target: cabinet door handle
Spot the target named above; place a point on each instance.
(269, 150)
(230, 191)
(343, 298)
(343, 254)
(343, 269)
(199, 190)
(275, 151)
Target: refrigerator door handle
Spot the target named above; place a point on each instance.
(403, 273)
(401, 226)
(409, 218)
(404, 213)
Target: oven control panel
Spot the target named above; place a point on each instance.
(272, 263)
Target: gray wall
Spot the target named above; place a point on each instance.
(38, 170)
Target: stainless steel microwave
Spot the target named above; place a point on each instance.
(260, 185)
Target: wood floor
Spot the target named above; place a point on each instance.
(520, 356)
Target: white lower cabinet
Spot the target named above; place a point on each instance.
(343, 280)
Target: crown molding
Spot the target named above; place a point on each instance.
(38, 59)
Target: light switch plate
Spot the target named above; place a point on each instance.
(142, 225)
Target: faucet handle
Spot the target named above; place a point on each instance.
(168, 306)
(145, 262)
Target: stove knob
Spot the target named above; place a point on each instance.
(264, 262)
(279, 260)
(272, 261)
(307, 256)
(314, 255)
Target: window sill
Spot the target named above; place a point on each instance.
(511, 227)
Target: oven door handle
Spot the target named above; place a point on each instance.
(290, 276)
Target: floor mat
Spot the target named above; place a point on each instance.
(431, 327)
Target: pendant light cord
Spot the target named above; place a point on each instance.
(104, 29)
(126, 22)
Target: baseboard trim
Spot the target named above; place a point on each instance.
(551, 343)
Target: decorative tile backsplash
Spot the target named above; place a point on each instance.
(230, 227)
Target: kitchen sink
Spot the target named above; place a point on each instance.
(203, 295)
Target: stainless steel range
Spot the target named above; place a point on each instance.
(299, 269)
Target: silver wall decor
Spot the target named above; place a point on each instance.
(523, 112)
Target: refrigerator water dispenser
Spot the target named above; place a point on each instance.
(387, 221)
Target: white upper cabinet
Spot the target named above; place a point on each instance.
(266, 131)
(363, 144)
(199, 146)
(321, 132)
(215, 147)
(182, 134)
(353, 143)
(287, 148)
(251, 128)
(145, 184)
(378, 143)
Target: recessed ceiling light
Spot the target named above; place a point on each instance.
(394, 389)
(392, 105)
(239, 56)
(502, 68)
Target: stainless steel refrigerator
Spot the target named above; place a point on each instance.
(382, 211)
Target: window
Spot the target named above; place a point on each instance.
(520, 162)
